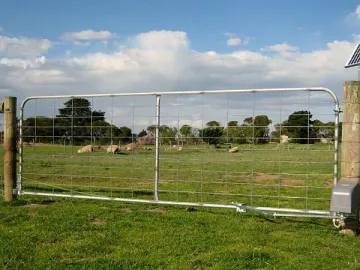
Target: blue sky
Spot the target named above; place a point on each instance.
(264, 22)
(78, 47)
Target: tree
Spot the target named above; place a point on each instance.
(75, 118)
(256, 130)
(167, 134)
(212, 133)
(142, 133)
(232, 133)
(301, 127)
(102, 132)
(232, 124)
(39, 129)
(80, 110)
(125, 134)
(261, 128)
(151, 129)
(185, 132)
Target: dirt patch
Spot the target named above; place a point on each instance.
(32, 214)
(330, 183)
(157, 210)
(126, 210)
(265, 177)
(39, 144)
(42, 204)
(284, 181)
(293, 181)
(97, 221)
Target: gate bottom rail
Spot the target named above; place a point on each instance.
(239, 207)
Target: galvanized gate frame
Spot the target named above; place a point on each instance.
(239, 207)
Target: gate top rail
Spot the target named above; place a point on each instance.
(193, 92)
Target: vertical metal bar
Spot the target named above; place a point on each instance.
(336, 143)
(157, 125)
(21, 151)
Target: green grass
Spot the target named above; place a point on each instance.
(36, 233)
(80, 234)
(259, 175)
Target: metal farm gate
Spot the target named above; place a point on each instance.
(268, 150)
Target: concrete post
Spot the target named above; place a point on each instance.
(350, 145)
(9, 148)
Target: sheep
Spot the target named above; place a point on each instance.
(131, 146)
(86, 149)
(234, 150)
(113, 149)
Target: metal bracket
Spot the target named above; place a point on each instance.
(339, 110)
(241, 208)
(18, 184)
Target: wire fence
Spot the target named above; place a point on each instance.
(1, 156)
(269, 148)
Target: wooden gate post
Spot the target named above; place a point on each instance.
(9, 110)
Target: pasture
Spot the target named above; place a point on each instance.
(52, 233)
(299, 176)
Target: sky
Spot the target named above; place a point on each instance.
(91, 47)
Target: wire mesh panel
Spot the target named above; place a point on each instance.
(271, 148)
(1, 156)
(88, 146)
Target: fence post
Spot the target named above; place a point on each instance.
(350, 145)
(9, 148)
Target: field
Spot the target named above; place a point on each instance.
(261, 175)
(52, 233)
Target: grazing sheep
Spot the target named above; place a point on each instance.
(168, 149)
(86, 149)
(113, 149)
(284, 139)
(234, 150)
(131, 146)
(180, 148)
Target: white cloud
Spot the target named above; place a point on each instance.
(354, 17)
(165, 61)
(236, 40)
(68, 52)
(23, 63)
(233, 41)
(88, 35)
(22, 46)
(81, 44)
(283, 47)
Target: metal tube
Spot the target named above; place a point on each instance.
(130, 200)
(21, 151)
(195, 92)
(157, 124)
(287, 210)
(306, 216)
(336, 143)
(301, 213)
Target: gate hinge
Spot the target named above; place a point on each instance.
(339, 110)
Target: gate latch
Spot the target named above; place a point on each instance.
(240, 207)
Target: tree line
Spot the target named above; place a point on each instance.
(77, 123)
